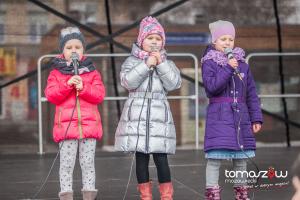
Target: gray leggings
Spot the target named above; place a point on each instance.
(86, 159)
(213, 170)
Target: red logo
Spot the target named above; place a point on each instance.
(271, 173)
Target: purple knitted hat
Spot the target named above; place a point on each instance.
(219, 28)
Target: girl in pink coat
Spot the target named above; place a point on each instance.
(77, 122)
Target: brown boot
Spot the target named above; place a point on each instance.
(65, 195)
(89, 195)
(166, 191)
(145, 190)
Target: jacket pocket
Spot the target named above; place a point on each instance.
(96, 117)
(129, 110)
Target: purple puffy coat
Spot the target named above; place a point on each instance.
(223, 112)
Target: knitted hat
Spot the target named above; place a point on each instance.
(149, 25)
(70, 33)
(219, 28)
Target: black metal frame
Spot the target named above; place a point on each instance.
(110, 38)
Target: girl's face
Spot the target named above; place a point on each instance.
(223, 42)
(152, 42)
(71, 46)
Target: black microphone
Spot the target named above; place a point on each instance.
(75, 59)
(229, 54)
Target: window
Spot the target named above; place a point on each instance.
(37, 25)
(87, 11)
(2, 27)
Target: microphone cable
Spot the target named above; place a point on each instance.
(239, 128)
(138, 134)
(65, 135)
(57, 154)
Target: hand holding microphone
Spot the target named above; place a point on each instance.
(75, 80)
(154, 58)
(155, 52)
(233, 62)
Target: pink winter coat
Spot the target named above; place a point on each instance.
(86, 120)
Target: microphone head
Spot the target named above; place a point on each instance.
(154, 48)
(74, 56)
(227, 50)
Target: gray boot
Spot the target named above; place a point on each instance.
(65, 195)
(89, 195)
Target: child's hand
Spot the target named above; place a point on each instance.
(157, 56)
(256, 127)
(74, 80)
(151, 61)
(79, 86)
(233, 63)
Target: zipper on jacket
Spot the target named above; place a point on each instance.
(129, 109)
(96, 117)
(79, 118)
(148, 113)
(166, 112)
(59, 117)
(234, 97)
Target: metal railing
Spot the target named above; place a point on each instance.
(285, 118)
(271, 54)
(193, 97)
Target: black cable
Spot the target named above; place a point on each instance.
(282, 88)
(75, 22)
(136, 23)
(52, 165)
(138, 133)
(108, 38)
(112, 59)
(92, 45)
(244, 89)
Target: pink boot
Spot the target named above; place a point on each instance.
(145, 190)
(166, 191)
(241, 193)
(213, 193)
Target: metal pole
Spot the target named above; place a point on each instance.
(40, 124)
(267, 54)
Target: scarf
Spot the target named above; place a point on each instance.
(60, 63)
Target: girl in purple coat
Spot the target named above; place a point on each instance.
(233, 113)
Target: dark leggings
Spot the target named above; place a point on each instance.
(162, 166)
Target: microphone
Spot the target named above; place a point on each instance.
(75, 59)
(229, 54)
(153, 49)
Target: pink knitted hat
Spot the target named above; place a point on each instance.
(219, 28)
(150, 25)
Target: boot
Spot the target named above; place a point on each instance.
(65, 195)
(89, 195)
(213, 193)
(166, 191)
(241, 192)
(145, 190)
